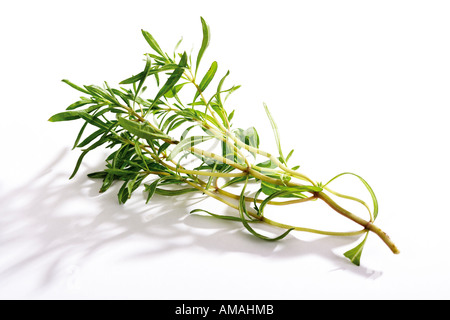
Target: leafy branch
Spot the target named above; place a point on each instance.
(208, 157)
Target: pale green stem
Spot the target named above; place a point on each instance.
(219, 158)
(213, 195)
(351, 198)
(368, 225)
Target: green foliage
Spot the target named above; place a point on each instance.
(206, 80)
(142, 130)
(205, 42)
(186, 144)
(151, 142)
(355, 254)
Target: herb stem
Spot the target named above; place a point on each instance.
(351, 198)
(368, 225)
(267, 155)
(212, 195)
(207, 173)
(219, 158)
(322, 232)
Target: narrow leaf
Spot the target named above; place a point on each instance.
(152, 42)
(89, 139)
(275, 132)
(173, 79)
(219, 216)
(219, 88)
(234, 181)
(155, 71)
(186, 144)
(151, 188)
(205, 42)
(372, 194)
(355, 254)
(83, 154)
(175, 90)
(107, 182)
(243, 213)
(142, 130)
(145, 74)
(71, 114)
(93, 120)
(250, 136)
(172, 193)
(75, 86)
(78, 104)
(206, 79)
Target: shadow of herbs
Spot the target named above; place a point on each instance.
(60, 235)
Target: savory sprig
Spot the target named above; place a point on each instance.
(179, 141)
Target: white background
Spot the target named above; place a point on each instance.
(360, 86)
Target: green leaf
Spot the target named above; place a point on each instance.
(66, 116)
(151, 188)
(152, 42)
(221, 112)
(172, 193)
(249, 137)
(100, 93)
(289, 155)
(372, 194)
(206, 79)
(128, 187)
(131, 185)
(80, 134)
(267, 164)
(83, 154)
(93, 120)
(243, 213)
(219, 88)
(163, 148)
(155, 71)
(75, 86)
(287, 192)
(78, 104)
(142, 130)
(97, 175)
(193, 115)
(186, 144)
(173, 79)
(171, 93)
(276, 133)
(90, 138)
(219, 216)
(205, 42)
(234, 181)
(230, 116)
(122, 173)
(145, 74)
(72, 114)
(107, 182)
(355, 254)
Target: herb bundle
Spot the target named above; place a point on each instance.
(139, 132)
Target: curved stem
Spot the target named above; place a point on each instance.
(368, 225)
(272, 222)
(322, 232)
(351, 198)
(277, 203)
(213, 195)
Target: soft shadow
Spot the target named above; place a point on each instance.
(61, 235)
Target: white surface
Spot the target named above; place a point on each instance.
(354, 86)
